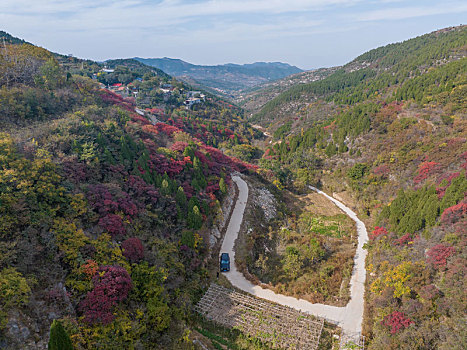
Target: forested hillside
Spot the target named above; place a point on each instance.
(388, 134)
(104, 216)
(372, 74)
(252, 100)
(113, 174)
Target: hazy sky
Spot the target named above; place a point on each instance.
(306, 33)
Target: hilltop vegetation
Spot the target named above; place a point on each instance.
(371, 75)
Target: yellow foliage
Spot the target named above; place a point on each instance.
(397, 278)
(78, 204)
(69, 240)
(108, 252)
(122, 333)
(14, 289)
(198, 240)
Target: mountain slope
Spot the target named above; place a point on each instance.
(387, 134)
(252, 100)
(371, 73)
(227, 77)
(105, 217)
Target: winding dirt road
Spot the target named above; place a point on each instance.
(348, 317)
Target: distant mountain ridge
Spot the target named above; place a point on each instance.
(227, 78)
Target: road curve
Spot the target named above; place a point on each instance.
(348, 317)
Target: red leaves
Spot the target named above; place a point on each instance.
(89, 268)
(382, 170)
(442, 190)
(111, 286)
(107, 204)
(378, 231)
(140, 189)
(396, 321)
(140, 119)
(429, 292)
(439, 254)
(162, 165)
(179, 146)
(114, 99)
(167, 129)
(133, 249)
(113, 224)
(425, 170)
(101, 200)
(405, 239)
(155, 111)
(455, 213)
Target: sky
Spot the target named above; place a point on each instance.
(306, 33)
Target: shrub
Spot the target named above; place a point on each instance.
(439, 254)
(133, 249)
(453, 214)
(425, 170)
(382, 170)
(357, 171)
(407, 238)
(378, 231)
(113, 224)
(111, 286)
(14, 289)
(396, 321)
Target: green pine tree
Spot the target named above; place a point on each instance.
(59, 339)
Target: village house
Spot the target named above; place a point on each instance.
(191, 101)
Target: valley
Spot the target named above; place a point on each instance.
(339, 194)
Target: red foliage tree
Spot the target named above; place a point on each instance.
(113, 224)
(139, 119)
(455, 213)
(126, 205)
(429, 292)
(111, 286)
(439, 254)
(114, 99)
(378, 231)
(407, 238)
(425, 170)
(179, 146)
(90, 268)
(101, 200)
(133, 249)
(137, 187)
(167, 129)
(396, 321)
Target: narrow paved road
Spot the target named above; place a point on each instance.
(348, 317)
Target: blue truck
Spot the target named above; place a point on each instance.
(225, 262)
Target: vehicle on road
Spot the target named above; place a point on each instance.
(225, 262)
